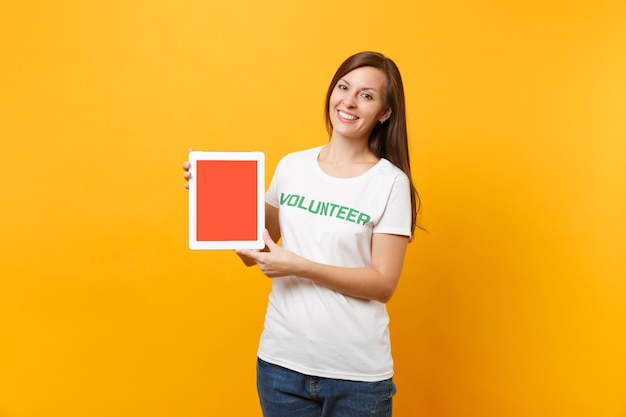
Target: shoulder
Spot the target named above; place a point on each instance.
(386, 168)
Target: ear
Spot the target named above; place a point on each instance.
(383, 117)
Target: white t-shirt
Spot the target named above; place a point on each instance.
(312, 329)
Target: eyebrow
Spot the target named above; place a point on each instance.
(364, 88)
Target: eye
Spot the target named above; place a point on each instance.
(367, 96)
(342, 86)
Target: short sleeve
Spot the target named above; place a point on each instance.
(396, 218)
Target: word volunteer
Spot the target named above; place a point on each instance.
(324, 208)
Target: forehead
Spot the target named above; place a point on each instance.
(366, 77)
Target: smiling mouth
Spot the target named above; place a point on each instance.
(347, 116)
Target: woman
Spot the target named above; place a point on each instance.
(345, 213)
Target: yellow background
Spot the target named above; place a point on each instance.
(514, 302)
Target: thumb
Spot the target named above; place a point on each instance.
(271, 245)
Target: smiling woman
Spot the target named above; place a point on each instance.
(345, 212)
(379, 87)
(358, 102)
(514, 305)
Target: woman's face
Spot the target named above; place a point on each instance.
(357, 103)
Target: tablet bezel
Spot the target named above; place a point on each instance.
(258, 243)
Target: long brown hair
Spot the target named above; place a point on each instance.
(388, 140)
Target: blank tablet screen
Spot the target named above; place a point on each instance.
(226, 200)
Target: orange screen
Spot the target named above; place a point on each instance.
(226, 200)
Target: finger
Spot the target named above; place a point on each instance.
(268, 240)
(186, 165)
(252, 254)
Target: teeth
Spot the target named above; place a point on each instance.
(347, 116)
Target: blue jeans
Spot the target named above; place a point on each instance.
(286, 393)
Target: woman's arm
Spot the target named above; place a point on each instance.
(377, 282)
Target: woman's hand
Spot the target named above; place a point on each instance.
(376, 282)
(275, 261)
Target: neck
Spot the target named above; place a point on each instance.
(341, 150)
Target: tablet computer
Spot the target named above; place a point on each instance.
(226, 200)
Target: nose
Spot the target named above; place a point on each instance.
(349, 101)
